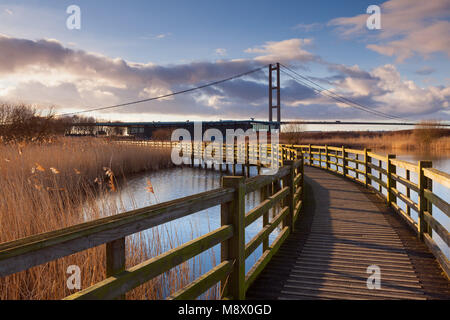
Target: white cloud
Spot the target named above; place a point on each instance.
(284, 51)
(221, 52)
(8, 11)
(408, 27)
(392, 94)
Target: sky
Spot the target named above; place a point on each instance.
(142, 49)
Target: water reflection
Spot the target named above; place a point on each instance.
(175, 183)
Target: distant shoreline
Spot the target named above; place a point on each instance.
(435, 141)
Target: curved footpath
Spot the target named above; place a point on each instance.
(344, 229)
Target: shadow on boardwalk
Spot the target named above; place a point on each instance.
(343, 229)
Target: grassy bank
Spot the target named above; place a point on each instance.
(54, 185)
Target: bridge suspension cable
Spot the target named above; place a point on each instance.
(295, 75)
(166, 95)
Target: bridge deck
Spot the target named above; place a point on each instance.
(340, 234)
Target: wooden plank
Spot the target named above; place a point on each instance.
(440, 257)
(409, 184)
(410, 203)
(405, 165)
(391, 183)
(437, 227)
(265, 258)
(264, 206)
(204, 282)
(423, 202)
(147, 270)
(437, 201)
(235, 286)
(354, 170)
(298, 194)
(255, 183)
(253, 244)
(377, 156)
(354, 151)
(378, 168)
(411, 223)
(440, 177)
(115, 257)
(380, 182)
(355, 161)
(297, 178)
(290, 199)
(25, 253)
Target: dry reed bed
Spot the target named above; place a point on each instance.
(50, 186)
(393, 142)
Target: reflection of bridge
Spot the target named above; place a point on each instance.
(332, 229)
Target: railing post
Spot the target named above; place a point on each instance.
(309, 155)
(408, 192)
(344, 162)
(380, 176)
(424, 183)
(115, 259)
(367, 169)
(264, 195)
(320, 157)
(234, 249)
(391, 183)
(290, 197)
(192, 154)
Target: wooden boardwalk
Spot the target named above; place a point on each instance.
(344, 229)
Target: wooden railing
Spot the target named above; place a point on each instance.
(282, 193)
(382, 174)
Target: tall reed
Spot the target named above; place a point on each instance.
(46, 187)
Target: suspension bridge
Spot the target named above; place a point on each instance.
(274, 85)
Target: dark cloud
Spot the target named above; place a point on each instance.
(425, 71)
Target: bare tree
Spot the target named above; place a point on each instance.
(19, 122)
(292, 133)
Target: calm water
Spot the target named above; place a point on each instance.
(175, 183)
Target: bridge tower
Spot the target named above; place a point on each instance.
(272, 68)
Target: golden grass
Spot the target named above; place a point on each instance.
(50, 186)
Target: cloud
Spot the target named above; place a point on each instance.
(308, 27)
(408, 27)
(221, 52)
(8, 11)
(425, 71)
(163, 35)
(46, 72)
(156, 37)
(285, 51)
(384, 88)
